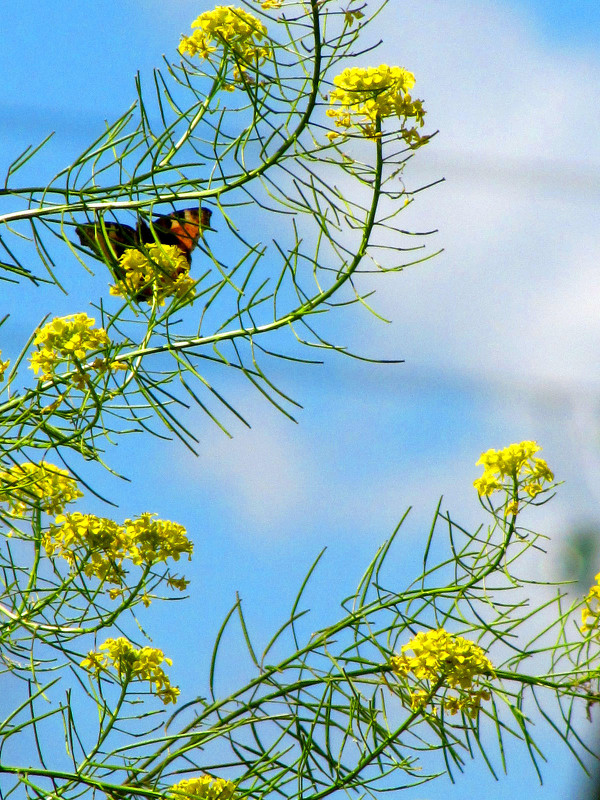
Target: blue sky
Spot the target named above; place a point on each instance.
(571, 24)
(500, 334)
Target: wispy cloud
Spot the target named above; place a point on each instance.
(513, 300)
(515, 291)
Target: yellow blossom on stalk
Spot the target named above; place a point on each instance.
(177, 583)
(132, 663)
(419, 699)
(152, 540)
(3, 367)
(267, 4)
(351, 16)
(511, 508)
(102, 545)
(160, 271)
(205, 787)
(439, 654)
(445, 660)
(236, 31)
(469, 703)
(24, 486)
(590, 614)
(366, 95)
(67, 341)
(515, 467)
(98, 541)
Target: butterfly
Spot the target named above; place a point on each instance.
(110, 240)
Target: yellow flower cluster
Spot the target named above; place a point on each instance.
(105, 545)
(238, 32)
(590, 615)
(367, 95)
(511, 468)
(3, 367)
(152, 540)
(445, 660)
(160, 272)
(100, 537)
(67, 341)
(206, 787)
(132, 663)
(25, 486)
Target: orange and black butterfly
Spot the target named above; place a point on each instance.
(108, 241)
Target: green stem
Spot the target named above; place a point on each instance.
(36, 526)
(110, 788)
(114, 716)
(198, 116)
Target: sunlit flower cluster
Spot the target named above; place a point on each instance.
(102, 545)
(152, 540)
(366, 95)
(132, 663)
(205, 787)
(590, 614)
(3, 367)
(100, 539)
(67, 341)
(161, 271)
(240, 35)
(514, 468)
(267, 4)
(26, 486)
(444, 660)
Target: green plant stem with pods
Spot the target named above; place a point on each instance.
(272, 113)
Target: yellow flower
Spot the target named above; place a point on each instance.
(444, 660)
(418, 700)
(515, 465)
(131, 663)
(102, 545)
(439, 654)
(469, 703)
(486, 485)
(366, 95)
(233, 30)
(511, 460)
(205, 787)
(161, 271)
(67, 341)
(152, 540)
(98, 541)
(178, 583)
(590, 614)
(25, 486)
(400, 665)
(93, 662)
(3, 367)
(511, 508)
(351, 16)
(267, 4)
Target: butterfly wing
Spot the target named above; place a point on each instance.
(108, 242)
(181, 229)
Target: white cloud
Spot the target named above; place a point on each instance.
(260, 470)
(347, 479)
(514, 300)
(516, 291)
